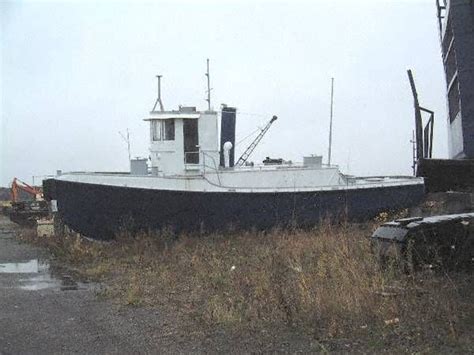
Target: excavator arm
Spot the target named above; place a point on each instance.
(18, 185)
(26, 213)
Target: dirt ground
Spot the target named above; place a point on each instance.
(41, 313)
(46, 309)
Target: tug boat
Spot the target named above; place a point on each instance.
(191, 182)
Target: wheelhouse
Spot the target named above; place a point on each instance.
(180, 140)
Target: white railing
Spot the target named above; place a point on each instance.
(215, 167)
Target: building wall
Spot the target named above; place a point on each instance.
(458, 57)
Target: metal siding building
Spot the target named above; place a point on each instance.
(457, 39)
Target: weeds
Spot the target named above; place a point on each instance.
(325, 280)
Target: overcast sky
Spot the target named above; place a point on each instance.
(74, 74)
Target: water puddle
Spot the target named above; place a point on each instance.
(41, 276)
(39, 282)
(45, 281)
(31, 266)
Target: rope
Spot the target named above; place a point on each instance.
(246, 137)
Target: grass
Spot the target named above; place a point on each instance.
(324, 281)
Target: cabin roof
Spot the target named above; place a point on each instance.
(187, 112)
(165, 115)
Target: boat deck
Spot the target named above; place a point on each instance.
(279, 178)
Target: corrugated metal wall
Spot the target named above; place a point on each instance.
(458, 55)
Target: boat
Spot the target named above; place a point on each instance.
(192, 182)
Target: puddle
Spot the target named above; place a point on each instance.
(45, 281)
(42, 277)
(29, 267)
(39, 282)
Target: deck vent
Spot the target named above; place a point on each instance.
(138, 166)
(313, 161)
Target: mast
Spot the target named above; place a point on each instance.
(158, 99)
(208, 87)
(330, 121)
(126, 138)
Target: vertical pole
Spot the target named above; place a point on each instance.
(158, 99)
(431, 135)
(159, 92)
(330, 121)
(128, 144)
(413, 143)
(127, 140)
(418, 119)
(159, 87)
(208, 87)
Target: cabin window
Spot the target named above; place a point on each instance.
(156, 130)
(168, 130)
(162, 130)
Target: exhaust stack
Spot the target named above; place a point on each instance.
(228, 119)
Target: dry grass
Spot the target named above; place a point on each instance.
(325, 281)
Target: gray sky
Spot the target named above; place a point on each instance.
(73, 74)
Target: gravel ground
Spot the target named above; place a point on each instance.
(51, 318)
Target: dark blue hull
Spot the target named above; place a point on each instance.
(99, 211)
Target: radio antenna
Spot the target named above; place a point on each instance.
(158, 99)
(126, 138)
(330, 121)
(208, 87)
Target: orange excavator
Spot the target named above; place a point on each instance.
(18, 185)
(27, 212)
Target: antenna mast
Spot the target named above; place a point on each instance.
(208, 87)
(158, 99)
(330, 121)
(127, 140)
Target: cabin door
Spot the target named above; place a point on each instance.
(191, 141)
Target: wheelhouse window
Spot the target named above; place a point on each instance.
(168, 130)
(156, 131)
(162, 130)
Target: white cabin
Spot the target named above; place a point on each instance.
(185, 144)
(184, 153)
(183, 141)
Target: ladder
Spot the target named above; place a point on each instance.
(243, 158)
